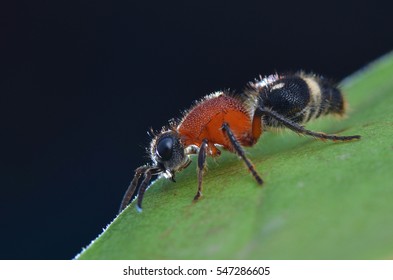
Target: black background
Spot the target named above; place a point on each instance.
(81, 83)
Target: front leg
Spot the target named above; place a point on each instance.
(132, 187)
(201, 167)
(142, 189)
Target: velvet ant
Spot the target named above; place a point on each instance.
(233, 121)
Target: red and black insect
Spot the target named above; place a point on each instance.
(230, 121)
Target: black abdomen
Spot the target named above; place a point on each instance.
(299, 97)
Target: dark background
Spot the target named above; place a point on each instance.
(81, 83)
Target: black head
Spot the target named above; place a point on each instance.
(164, 149)
(167, 152)
(168, 156)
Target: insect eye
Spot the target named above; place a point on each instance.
(165, 148)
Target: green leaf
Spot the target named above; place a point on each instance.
(320, 200)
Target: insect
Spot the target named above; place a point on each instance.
(229, 121)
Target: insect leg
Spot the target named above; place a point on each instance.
(300, 129)
(142, 189)
(131, 188)
(201, 167)
(239, 150)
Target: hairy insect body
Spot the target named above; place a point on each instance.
(229, 121)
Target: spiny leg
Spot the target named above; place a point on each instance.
(201, 167)
(239, 150)
(131, 188)
(300, 129)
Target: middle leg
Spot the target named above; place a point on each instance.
(239, 150)
(201, 167)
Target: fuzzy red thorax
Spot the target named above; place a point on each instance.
(205, 120)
